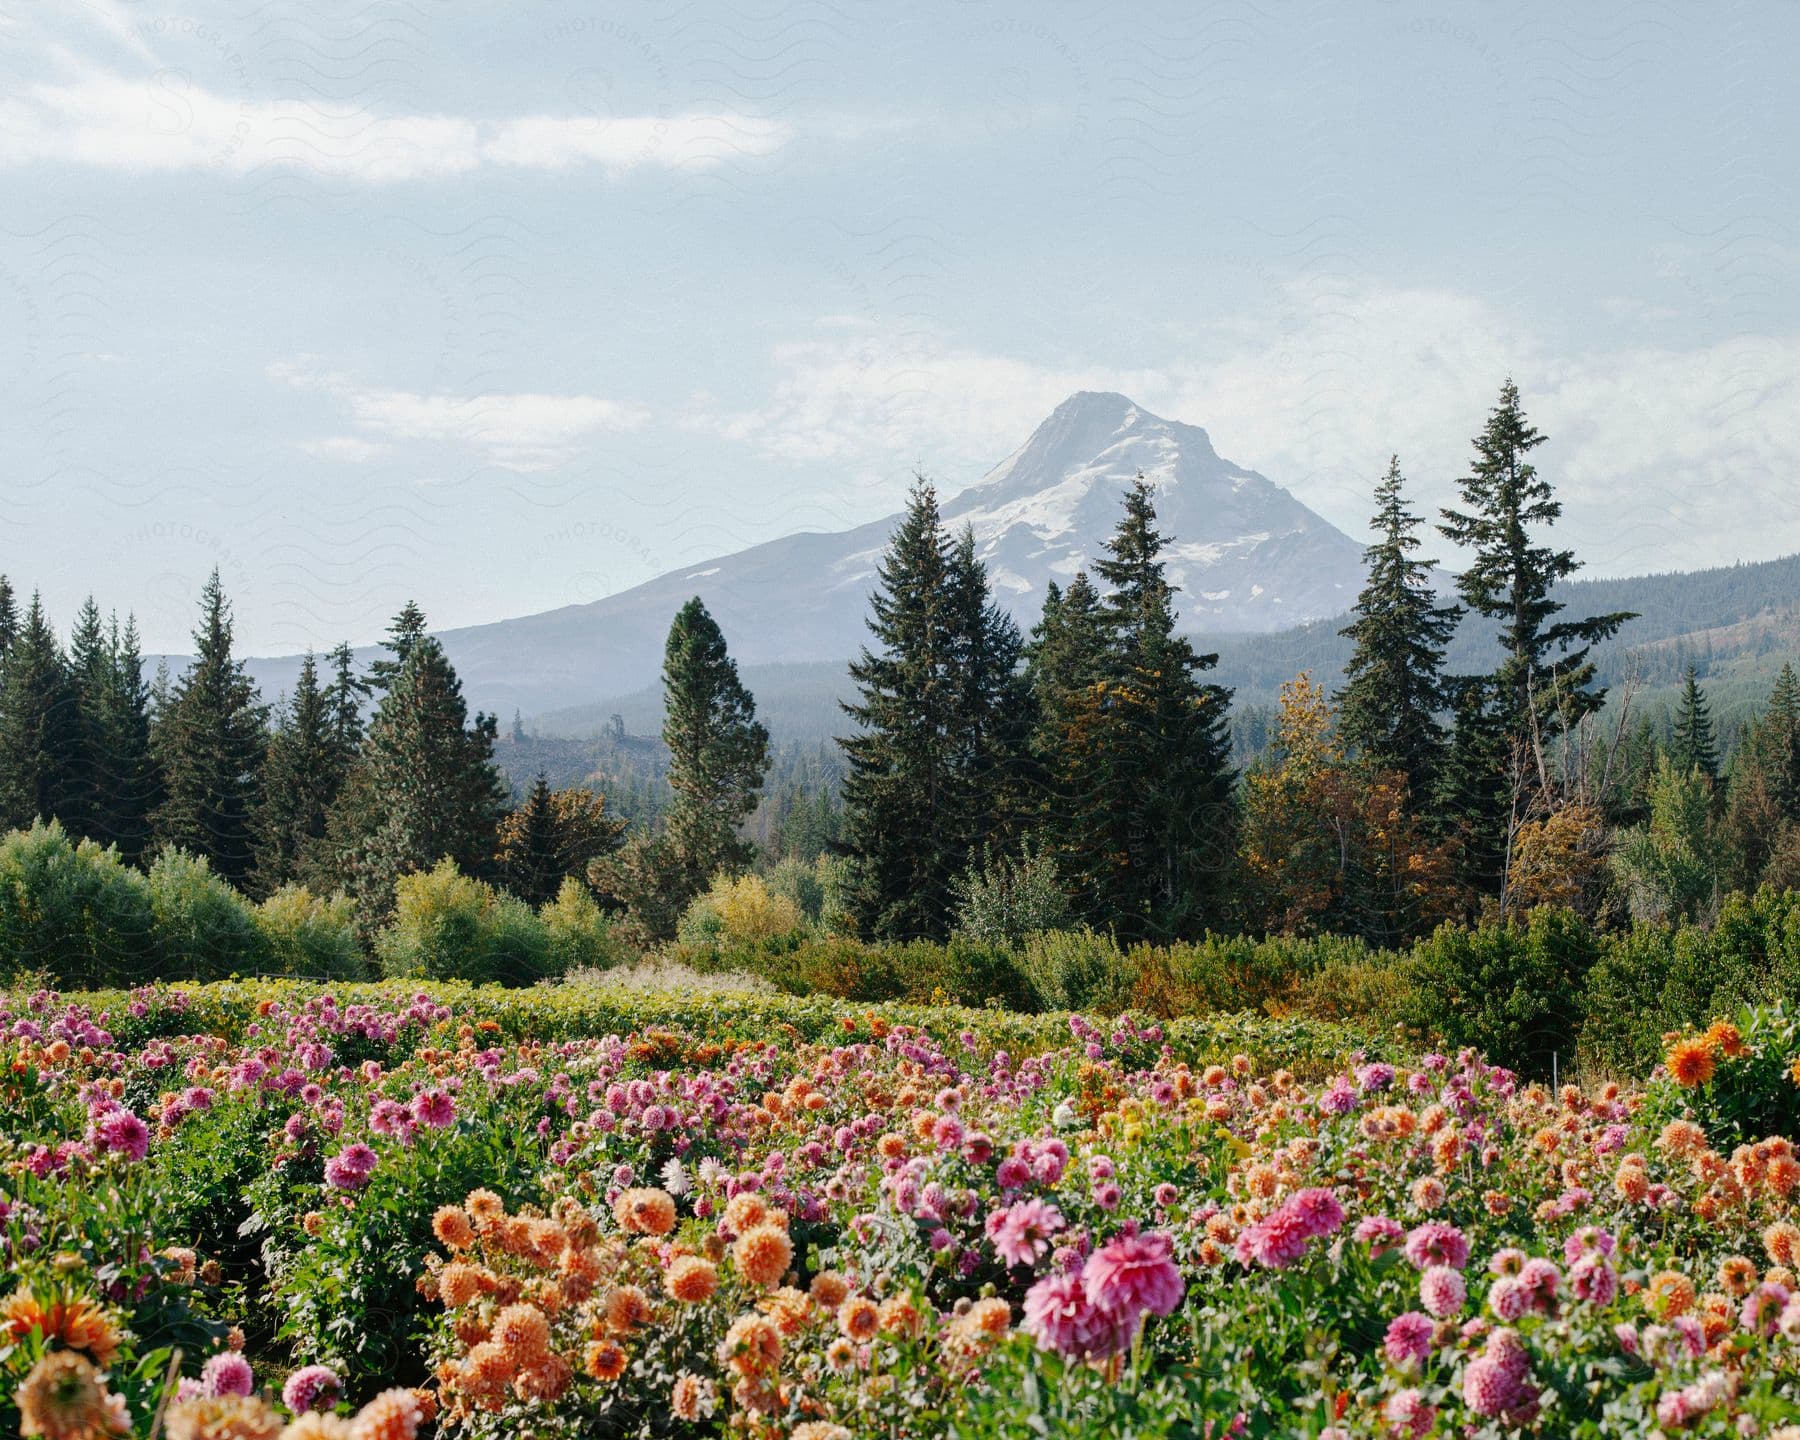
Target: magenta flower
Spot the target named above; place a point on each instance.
(313, 1387)
(1408, 1338)
(1442, 1291)
(227, 1373)
(1021, 1233)
(434, 1108)
(1435, 1243)
(1059, 1316)
(1133, 1273)
(123, 1133)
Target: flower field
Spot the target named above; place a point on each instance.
(267, 1211)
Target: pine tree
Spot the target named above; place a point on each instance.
(992, 717)
(305, 771)
(1546, 680)
(718, 751)
(424, 789)
(1067, 654)
(1472, 790)
(209, 743)
(9, 615)
(115, 705)
(901, 829)
(1145, 778)
(407, 629)
(344, 698)
(91, 778)
(1389, 706)
(40, 726)
(1692, 747)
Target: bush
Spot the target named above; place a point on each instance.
(1625, 1003)
(801, 881)
(306, 935)
(578, 934)
(1235, 972)
(1011, 897)
(1076, 970)
(75, 912)
(1511, 990)
(205, 930)
(447, 926)
(737, 913)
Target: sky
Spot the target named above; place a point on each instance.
(506, 306)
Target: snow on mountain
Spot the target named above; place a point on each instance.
(1245, 554)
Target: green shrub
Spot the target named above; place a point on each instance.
(1512, 990)
(307, 935)
(577, 933)
(1077, 970)
(739, 912)
(1011, 896)
(447, 926)
(802, 881)
(1625, 1002)
(75, 912)
(205, 930)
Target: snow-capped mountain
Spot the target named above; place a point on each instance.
(1246, 555)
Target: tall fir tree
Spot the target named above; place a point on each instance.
(1388, 708)
(1143, 788)
(992, 707)
(40, 726)
(1692, 746)
(424, 789)
(407, 629)
(1546, 679)
(90, 672)
(209, 743)
(306, 769)
(718, 751)
(115, 710)
(344, 698)
(9, 615)
(901, 827)
(533, 864)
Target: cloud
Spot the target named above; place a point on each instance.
(1665, 457)
(347, 449)
(164, 122)
(524, 431)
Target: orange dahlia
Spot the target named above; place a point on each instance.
(604, 1360)
(391, 1415)
(453, 1228)
(523, 1333)
(645, 1212)
(62, 1398)
(762, 1254)
(1691, 1062)
(691, 1280)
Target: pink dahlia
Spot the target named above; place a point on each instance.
(1133, 1273)
(312, 1387)
(123, 1133)
(1442, 1291)
(434, 1108)
(1763, 1308)
(1409, 1413)
(227, 1373)
(1408, 1338)
(1435, 1243)
(1059, 1317)
(1592, 1279)
(1021, 1233)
